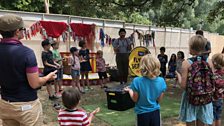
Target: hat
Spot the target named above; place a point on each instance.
(10, 22)
(45, 42)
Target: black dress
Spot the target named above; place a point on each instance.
(85, 66)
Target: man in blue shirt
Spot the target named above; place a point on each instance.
(19, 77)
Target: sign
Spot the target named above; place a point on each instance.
(134, 59)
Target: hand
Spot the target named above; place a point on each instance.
(127, 89)
(95, 111)
(52, 75)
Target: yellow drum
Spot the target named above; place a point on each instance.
(134, 59)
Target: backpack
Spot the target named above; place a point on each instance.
(200, 86)
(219, 84)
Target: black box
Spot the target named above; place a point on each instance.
(118, 99)
(113, 72)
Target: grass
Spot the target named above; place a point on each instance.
(169, 108)
(97, 98)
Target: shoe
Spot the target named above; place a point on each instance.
(57, 106)
(82, 92)
(53, 98)
(90, 88)
(86, 89)
(105, 86)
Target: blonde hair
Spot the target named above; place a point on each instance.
(150, 66)
(218, 60)
(197, 43)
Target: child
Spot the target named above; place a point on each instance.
(49, 66)
(75, 68)
(172, 66)
(101, 68)
(58, 59)
(71, 116)
(180, 59)
(192, 110)
(85, 63)
(163, 60)
(218, 61)
(147, 91)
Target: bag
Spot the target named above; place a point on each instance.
(219, 84)
(200, 85)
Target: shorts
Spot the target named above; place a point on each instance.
(149, 118)
(217, 109)
(12, 114)
(59, 74)
(75, 73)
(85, 66)
(102, 75)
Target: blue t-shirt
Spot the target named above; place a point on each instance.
(16, 61)
(148, 91)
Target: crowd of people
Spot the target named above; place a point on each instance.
(201, 79)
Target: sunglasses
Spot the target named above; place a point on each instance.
(22, 29)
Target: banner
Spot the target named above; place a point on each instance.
(135, 58)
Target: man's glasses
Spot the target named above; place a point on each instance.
(22, 29)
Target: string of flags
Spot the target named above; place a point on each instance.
(77, 31)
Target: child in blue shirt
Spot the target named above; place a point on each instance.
(147, 91)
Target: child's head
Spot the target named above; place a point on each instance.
(74, 50)
(199, 32)
(180, 55)
(71, 98)
(55, 45)
(46, 44)
(99, 54)
(173, 57)
(150, 66)
(82, 44)
(197, 45)
(218, 61)
(162, 50)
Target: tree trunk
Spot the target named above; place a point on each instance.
(46, 4)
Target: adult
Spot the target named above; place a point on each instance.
(208, 45)
(19, 77)
(122, 47)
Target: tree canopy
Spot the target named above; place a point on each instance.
(197, 14)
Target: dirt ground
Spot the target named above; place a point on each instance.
(50, 114)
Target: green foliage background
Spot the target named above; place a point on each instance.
(205, 14)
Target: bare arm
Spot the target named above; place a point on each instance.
(211, 65)
(133, 95)
(160, 97)
(57, 64)
(92, 115)
(35, 81)
(50, 65)
(184, 74)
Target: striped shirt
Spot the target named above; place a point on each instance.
(73, 118)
